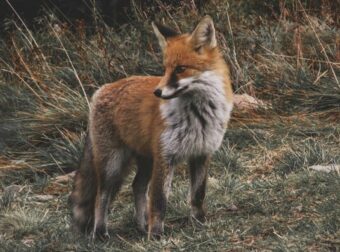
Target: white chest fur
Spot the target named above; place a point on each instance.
(195, 121)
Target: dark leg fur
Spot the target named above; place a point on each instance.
(140, 186)
(198, 178)
(158, 200)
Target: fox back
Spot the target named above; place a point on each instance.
(159, 122)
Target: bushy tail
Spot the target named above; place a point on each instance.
(84, 191)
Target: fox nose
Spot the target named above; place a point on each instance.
(158, 92)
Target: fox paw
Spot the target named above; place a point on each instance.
(101, 233)
(142, 223)
(156, 231)
(198, 214)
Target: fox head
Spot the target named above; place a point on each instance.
(186, 57)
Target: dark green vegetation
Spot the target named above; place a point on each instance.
(261, 194)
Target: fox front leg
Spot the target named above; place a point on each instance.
(198, 179)
(140, 188)
(157, 198)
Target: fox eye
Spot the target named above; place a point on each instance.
(180, 69)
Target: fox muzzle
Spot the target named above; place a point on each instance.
(158, 92)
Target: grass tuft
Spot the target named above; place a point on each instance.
(305, 155)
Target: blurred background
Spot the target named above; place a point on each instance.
(117, 12)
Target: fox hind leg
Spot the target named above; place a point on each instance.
(140, 188)
(110, 178)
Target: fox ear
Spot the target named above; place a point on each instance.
(163, 33)
(204, 34)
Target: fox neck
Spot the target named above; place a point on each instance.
(195, 121)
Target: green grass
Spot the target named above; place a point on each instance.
(261, 193)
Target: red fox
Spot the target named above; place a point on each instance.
(160, 122)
